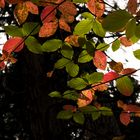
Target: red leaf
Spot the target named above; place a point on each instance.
(70, 107)
(32, 7)
(126, 42)
(128, 71)
(97, 7)
(2, 65)
(132, 6)
(68, 18)
(48, 29)
(100, 60)
(125, 118)
(21, 12)
(131, 108)
(110, 76)
(13, 44)
(63, 25)
(86, 98)
(2, 3)
(48, 14)
(13, 1)
(68, 8)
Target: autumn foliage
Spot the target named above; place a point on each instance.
(57, 16)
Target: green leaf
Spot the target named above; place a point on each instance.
(13, 31)
(82, 41)
(71, 95)
(102, 47)
(33, 45)
(83, 27)
(67, 51)
(137, 54)
(88, 109)
(84, 57)
(95, 77)
(90, 47)
(31, 28)
(106, 111)
(87, 15)
(125, 86)
(78, 117)
(61, 63)
(134, 39)
(65, 114)
(72, 69)
(80, 1)
(52, 45)
(95, 115)
(77, 83)
(137, 31)
(116, 20)
(55, 94)
(130, 28)
(98, 29)
(116, 45)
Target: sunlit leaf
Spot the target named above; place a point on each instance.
(48, 14)
(125, 86)
(126, 42)
(55, 94)
(137, 31)
(33, 45)
(98, 29)
(110, 76)
(48, 29)
(116, 20)
(63, 25)
(72, 40)
(100, 60)
(83, 27)
(15, 44)
(102, 46)
(116, 45)
(61, 63)
(21, 12)
(78, 117)
(13, 31)
(132, 6)
(101, 87)
(125, 118)
(130, 28)
(2, 3)
(31, 7)
(128, 71)
(67, 18)
(116, 66)
(72, 69)
(80, 1)
(96, 7)
(85, 98)
(31, 28)
(87, 15)
(137, 53)
(94, 77)
(65, 114)
(68, 8)
(51, 45)
(77, 83)
(84, 57)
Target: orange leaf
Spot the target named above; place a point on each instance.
(96, 7)
(14, 1)
(68, 18)
(110, 76)
(48, 14)
(100, 60)
(116, 66)
(70, 107)
(132, 6)
(63, 25)
(32, 7)
(126, 42)
(72, 40)
(13, 44)
(86, 98)
(101, 87)
(68, 8)
(21, 12)
(128, 71)
(125, 118)
(2, 3)
(48, 29)
(131, 108)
